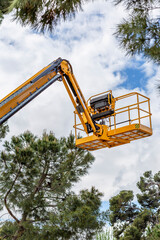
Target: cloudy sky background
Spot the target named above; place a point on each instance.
(99, 64)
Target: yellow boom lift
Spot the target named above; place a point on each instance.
(106, 121)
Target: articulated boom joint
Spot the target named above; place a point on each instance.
(99, 118)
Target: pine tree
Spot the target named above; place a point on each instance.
(140, 33)
(36, 177)
(4, 4)
(43, 15)
(130, 220)
(4, 129)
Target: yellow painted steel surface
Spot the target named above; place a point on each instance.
(115, 138)
(25, 83)
(115, 133)
(30, 89)
(24, 95)
(105, 121)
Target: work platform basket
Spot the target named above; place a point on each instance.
(130, 121)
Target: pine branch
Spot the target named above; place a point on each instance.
(7, 194)
(53, 206)
(3, 158)
(38, 220)
(18, 233)
(43, 177)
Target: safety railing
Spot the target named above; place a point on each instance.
(132, 108)
(137, 110)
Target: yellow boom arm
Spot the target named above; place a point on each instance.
(58, 70)
(92, 114)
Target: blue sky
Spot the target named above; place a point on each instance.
(135, 77)
(105, 205)
(99, 64)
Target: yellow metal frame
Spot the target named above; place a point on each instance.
(103, 126)
(24, 94)
(66, 68)
(25, 83)
(114, 134)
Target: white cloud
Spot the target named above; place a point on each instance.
(148, 68)
(87, 42)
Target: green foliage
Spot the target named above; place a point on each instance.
(44, 15)
(123, 210)
(140, 33)
(153, 234)
(130, 221)
(9, 229)
(137, 4)
(150, 191)
(4, 4)
(136, 230)
(4, 129)
(79, 217)
(105, 235)
(122, 207)
(36, 177)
